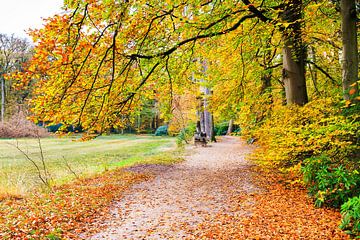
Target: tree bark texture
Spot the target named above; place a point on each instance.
(349, 59)
(294, 55)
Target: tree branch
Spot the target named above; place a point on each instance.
(256, 11)
(324, 72)
(193, 39)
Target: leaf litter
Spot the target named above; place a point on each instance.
(215, 194)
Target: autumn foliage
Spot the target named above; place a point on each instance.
(279, 212)
(95, 64)
(72, 211)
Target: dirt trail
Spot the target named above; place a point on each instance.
(184, 195)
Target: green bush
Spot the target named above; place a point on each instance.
(221, 128)
(351, 216)
(186, 134)
(161, 131)
(330, 183)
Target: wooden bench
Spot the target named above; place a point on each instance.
(200, 139)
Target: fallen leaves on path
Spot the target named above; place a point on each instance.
(67, 212)
(215, 194)
(278, 212)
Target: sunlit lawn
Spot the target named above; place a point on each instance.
(66, 158)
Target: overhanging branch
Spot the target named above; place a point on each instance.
(193, 39)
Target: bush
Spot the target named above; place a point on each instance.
(63, 128)
(186, 134)
(221, 128)
(351, 216)
(330, 183)
(18, 126)
(294, 133)
(162, 131)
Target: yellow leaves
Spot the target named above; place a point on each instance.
(284, 24)
(348, 103)
(295, 133)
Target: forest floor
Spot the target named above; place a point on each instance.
(216, 194)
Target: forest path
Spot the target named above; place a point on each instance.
(182, 196)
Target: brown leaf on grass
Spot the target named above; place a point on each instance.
(68, 211)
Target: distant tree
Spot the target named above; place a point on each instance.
(13, 53)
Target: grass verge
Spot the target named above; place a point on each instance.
(74, 210)
(66, 158)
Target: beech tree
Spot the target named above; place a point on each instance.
(93, 61)
(350, 61)
(294, 54)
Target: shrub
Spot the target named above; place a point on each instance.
(18, 126)
(186, 134)
(162, 131)
(221, 128)
(294, 133)
(351, 216)
(329, 182)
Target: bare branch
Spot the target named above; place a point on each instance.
(43, 179)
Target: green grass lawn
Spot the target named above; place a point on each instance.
(66, 158)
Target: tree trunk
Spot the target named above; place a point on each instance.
(139, 123)
(2, 99)
(206, 119)
(294, 55)
(231, 127)
(349, 57)
(267, 72)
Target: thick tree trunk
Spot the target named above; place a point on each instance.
(2, 99)
(206, 118)
(349, 58)
(294, 55)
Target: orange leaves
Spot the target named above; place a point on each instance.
(280, 212)
(66, 212)
(352, 91)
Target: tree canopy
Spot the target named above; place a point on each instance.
(100, 59)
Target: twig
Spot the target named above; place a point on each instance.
(44, 179)
(70, 169)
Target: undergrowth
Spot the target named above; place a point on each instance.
(18, 126)
(316, 145)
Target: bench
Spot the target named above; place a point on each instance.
(200, 139)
